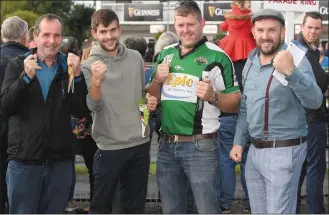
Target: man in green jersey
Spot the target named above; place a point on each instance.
(194, 80)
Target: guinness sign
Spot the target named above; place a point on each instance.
(143, 12)
(215, 11)
(323, 10)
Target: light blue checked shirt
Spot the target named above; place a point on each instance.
(286, 118)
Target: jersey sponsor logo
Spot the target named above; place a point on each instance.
(180, 87)
(178, 68)
(201, 60)
(168, 58)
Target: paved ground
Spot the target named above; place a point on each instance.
(153, 205)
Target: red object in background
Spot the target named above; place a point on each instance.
(240, 40)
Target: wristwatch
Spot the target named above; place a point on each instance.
(214, 100)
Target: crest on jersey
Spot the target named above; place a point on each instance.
(201, 60)
(168, 58)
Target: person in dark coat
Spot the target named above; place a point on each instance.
(13, 32)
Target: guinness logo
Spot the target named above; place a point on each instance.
(141, 12)
(131, 11)
(211, 10)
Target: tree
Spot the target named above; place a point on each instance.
(39, 7)
(78, 22)
(28, 16)
(76, 17)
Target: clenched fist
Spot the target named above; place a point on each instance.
(30, 65)
(74, 61)
(162, 72)
(236, 153)
(98, 70)
(151, 102)
(204, 90)
(284, 63)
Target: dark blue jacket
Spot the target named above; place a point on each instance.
(322, 79)
(8, 51)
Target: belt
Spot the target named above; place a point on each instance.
(187, 139)
(260, 144)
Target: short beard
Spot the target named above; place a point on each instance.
(272, 51)
(109, 50)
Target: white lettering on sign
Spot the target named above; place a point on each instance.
(138, 12)
(323, 10)
(292, 5)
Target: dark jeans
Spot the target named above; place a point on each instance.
(3, 163)
(39, 188)
(314, 168)
(238, 67)
(129, 166)
(88, 149)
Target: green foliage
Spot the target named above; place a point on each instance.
(39, 7)
(78, 22)
(76, 17)
(28, 16)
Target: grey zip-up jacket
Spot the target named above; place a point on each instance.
(116, 116)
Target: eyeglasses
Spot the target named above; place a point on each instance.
(186, 4)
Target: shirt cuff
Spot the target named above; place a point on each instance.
(27, 79)
(240, 140)
(231, 90)
(78, 79)
(295, 77)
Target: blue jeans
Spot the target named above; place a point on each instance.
(181, 164)
(39, 188)
(226, 193)
(314, 168)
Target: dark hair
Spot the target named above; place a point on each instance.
(48, 16)
(313, 15)
(187, 7)
(72, 46)
(136, 43)
(149, 52)
(103, 16)
(29, 37)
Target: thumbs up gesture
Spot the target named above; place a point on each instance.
(30, 65)
(204, 90)
(162, 72)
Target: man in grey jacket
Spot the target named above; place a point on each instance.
(115, 80)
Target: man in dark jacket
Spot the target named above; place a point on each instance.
(315, 162)
(14, 31)
(36, 97)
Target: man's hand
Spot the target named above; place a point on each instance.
(74, 61)
(162, 72)
(151, 102)
(30, 65)
(236, 153)
(204, 90)
(284, 63)
(98, 70)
